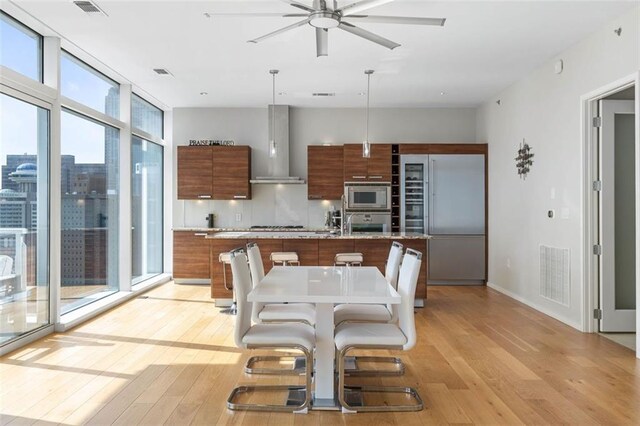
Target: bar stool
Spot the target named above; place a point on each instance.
(225, 259)
(348, 259)
(284, 258)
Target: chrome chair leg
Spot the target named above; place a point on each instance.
(397, 370)
(298, 365)
(346, 407)
(300, 408)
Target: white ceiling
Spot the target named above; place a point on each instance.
(483, 48)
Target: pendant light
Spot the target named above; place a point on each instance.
(273, 147)
(366, 146)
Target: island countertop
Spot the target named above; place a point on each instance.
(256, 235)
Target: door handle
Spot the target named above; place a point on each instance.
(315, 197)
(200, 234)
(375, 177)
(204, 196)
(239, 197)
(359, 177)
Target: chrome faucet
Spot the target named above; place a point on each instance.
(349, 225)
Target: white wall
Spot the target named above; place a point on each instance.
(544, 109)
(288, 204)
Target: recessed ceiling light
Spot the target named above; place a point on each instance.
(361, 93)
(442, 93)
(282, 93)
(204, 93)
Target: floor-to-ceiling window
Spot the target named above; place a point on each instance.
(146, 190)
(88, 131)
(24, 189)
(24, 208)
(90, 187)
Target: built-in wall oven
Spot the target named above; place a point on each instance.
(368, 222)
(363, 196)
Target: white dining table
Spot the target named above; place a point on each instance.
(324, 286)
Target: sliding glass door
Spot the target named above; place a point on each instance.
(24, 217)
(146, 209)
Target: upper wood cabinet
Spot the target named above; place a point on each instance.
(195, 172)
(324, 169)
(214, 172)
(231, 172)
(375, 168)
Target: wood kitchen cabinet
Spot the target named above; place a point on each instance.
(195, 172)
(218, 288)
(266, 248)
(325, 172)
(190, 255)
(231, 172)
(375, 168)
(374, 252)
(214, 172)
(307, 250)
(327, 250)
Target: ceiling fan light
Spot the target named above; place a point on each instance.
(324, 20)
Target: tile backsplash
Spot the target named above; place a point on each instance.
(270, 205)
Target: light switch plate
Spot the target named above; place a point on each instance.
(238, 217)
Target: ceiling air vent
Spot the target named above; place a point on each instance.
(89, 7)
(323, 94)
(162, 71)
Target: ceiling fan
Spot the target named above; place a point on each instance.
(324, 17)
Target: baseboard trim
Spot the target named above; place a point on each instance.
(535, 306)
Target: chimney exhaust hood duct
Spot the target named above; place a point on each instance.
(279, 165)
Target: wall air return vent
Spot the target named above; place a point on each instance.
(89, 7)
(323, 94)
(162, 71)
(554, 274)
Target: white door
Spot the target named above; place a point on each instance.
(617, 220)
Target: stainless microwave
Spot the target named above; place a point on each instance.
(367, 196)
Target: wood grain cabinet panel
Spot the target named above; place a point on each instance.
(374, 252)
(231, 172)
(327, 250)
(325, 180)
(375, 168)
(355, 166)
(307, 250)
(218, 289)
(190, 255)
(195, 172)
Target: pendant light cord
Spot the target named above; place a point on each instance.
(273, 111)
(368, 90)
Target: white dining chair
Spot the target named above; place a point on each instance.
(374, 313)
(273, 313)
(368, 335)
(297, 336)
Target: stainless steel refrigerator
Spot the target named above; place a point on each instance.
(444, 196)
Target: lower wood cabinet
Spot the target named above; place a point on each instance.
(374, 252)
(218, 288)
(327, 250)
(307, 250)
(190, 255)
(266, 248)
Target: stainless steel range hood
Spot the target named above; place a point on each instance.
(279, 165)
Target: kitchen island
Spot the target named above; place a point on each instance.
(314, 248)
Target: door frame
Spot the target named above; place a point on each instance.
(588, 106)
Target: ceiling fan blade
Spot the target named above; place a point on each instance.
(322, 42)
(367, 35)
(256, 15)
(354, 8)
(280, 31)
(299, 5)
(399, 20)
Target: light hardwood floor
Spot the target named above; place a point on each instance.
(168, 357)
